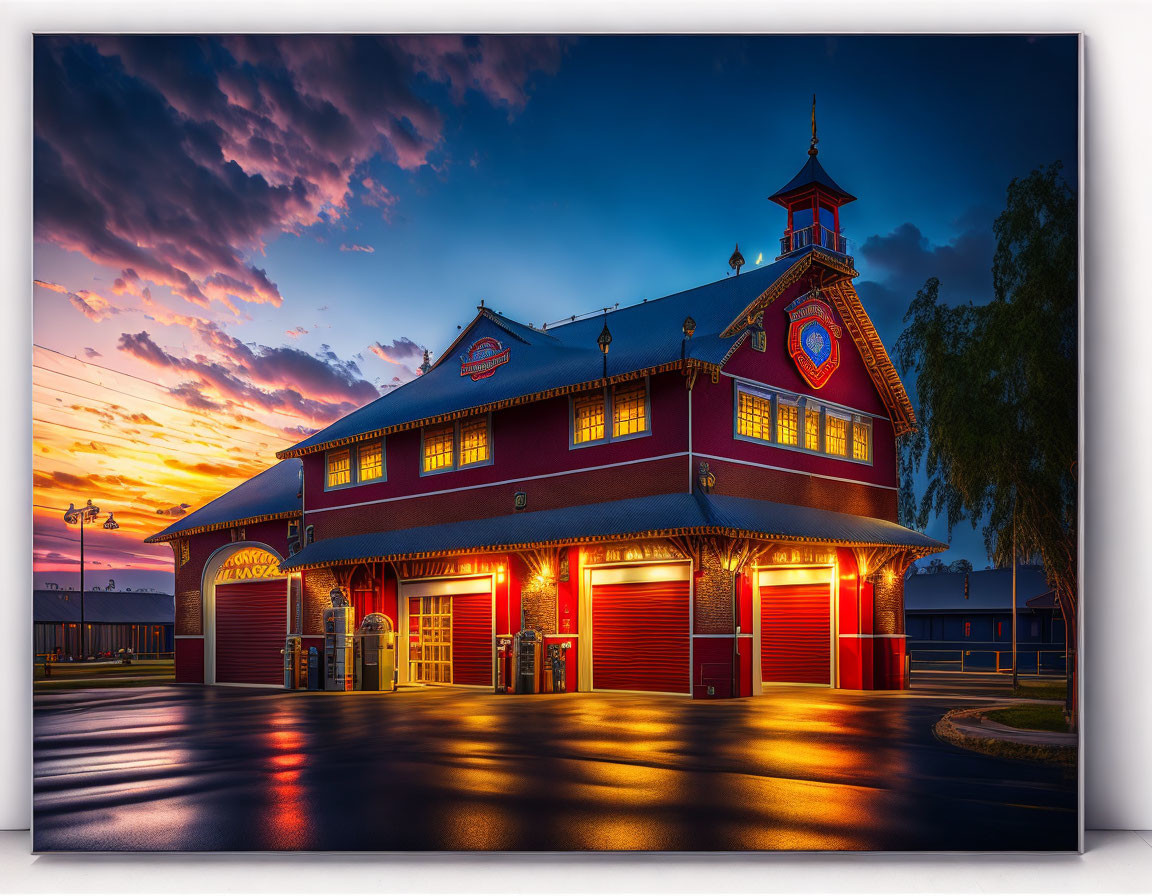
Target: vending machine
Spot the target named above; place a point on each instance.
(375, 649)
(292, 653)
(528, 665)
(339, 660)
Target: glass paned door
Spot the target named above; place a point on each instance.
(430, 639)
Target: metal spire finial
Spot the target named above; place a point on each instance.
(427, 365)
(812, 150)
(736, 261)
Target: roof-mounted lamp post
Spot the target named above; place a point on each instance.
(688, 328)
(604, 340)
(89, 513)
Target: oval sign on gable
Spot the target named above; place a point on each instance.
(482, 358)
(813, 339)
(248, 564)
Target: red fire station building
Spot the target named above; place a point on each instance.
(697, 493)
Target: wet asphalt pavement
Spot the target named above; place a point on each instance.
(191, 768)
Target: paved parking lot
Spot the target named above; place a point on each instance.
(194, 768)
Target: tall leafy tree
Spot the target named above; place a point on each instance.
(996, 389)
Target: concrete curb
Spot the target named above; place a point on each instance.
(1030, 749)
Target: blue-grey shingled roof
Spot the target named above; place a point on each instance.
(271, 493)
(812, 173)
(103, 606)
(988, 590)
(643, 336)
(654, 513)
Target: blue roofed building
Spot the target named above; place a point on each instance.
(692, 495)
(963, 621)
(140, 621)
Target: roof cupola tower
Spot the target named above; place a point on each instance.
(813, 202)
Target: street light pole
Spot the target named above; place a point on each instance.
(89, 513)
(1015, 673)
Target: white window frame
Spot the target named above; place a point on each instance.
(456, 465)
(354, 465)
(775, 396)
(608, 393)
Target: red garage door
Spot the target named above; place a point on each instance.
(472, 641)
(796, 633)
(640, 637)
(251, 623)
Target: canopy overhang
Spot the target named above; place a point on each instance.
(654, 516)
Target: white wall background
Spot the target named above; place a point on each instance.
(1117, 459)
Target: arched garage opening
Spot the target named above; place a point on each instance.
(246, 615)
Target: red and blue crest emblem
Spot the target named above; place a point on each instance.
(813, 339)
(482, 358)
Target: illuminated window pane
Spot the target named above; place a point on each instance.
(861, 440)
(835, 435)
(474, 441)
(339, 468)
(754, 416)
(588, 418)
(812, 429)
(438, 448)
(629, 411)
(371, 457)
(787, 416)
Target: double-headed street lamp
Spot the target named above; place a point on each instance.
(89, 513)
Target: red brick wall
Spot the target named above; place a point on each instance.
(635, 480)
(528, 440)
(799, 488)
(189, 576)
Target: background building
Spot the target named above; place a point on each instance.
(142, 621)
(950, 615)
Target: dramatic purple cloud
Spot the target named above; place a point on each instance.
(257, 135)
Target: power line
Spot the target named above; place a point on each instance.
(140, 378)
(165, 426)
(133, 441)
(132, 395)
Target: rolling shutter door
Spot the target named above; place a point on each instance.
(796, 633)
(472, 643)
(640, 637)
(251, 623)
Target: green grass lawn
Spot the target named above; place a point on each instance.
(1039, 717)
(103, 671)
(1041, 690)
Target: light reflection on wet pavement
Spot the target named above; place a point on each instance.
(191, 768)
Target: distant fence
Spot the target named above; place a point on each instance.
(39, 658)
(955, 660)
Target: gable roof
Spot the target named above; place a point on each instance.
(273, 494)
(989, 590)
(812, 173)
(102, 606)
(678, 513)
(646, 338)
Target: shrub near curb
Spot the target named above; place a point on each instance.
(947, 731)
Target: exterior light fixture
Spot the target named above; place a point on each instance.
(89, 513)
(689, 327)
(604, 340)
(500, 574)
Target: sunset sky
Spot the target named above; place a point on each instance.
(240, 239)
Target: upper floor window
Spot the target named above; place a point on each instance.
(355, 465)
(455, 446)
(588, 418)
(626, 405)
(339, 468)
(801, 423)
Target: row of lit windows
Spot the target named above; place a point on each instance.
(775, 418)
(627, 404)
(355, 465)
(452, 446)
(455, 446)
